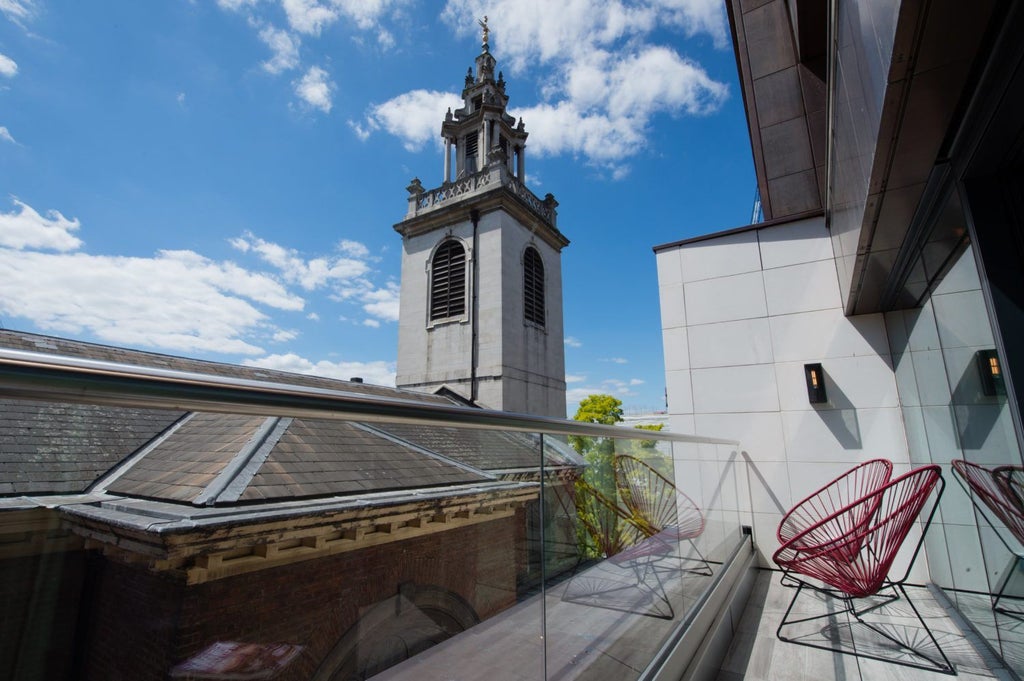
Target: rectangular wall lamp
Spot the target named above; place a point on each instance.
(992, 383)
(815, 376)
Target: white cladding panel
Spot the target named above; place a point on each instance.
(744, 312)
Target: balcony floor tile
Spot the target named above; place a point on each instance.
(756, 654)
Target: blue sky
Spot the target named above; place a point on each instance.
(219, 178)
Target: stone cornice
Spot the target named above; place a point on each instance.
(216, 543)
(490, 190)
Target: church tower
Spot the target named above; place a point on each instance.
(481, 297)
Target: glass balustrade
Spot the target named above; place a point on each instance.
(299, 534)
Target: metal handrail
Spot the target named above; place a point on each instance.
(40, 376)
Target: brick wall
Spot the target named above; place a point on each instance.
(39, 615)
(142, 624)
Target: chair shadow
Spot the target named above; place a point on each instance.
(621, 588)
(887, 631)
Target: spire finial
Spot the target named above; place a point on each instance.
(487, 33)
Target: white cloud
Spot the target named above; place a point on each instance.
(5, 136)
(574, 395)
(353, 248)
(18, 11)
(610, 101)
(235, 5)
(312, 16)
(309, 16)
(610, 386)
(603, 77)
(571, 378)
(285, 335)
(285, 49)
(25, 228)
(382, 303)
(413, 117)
(385, 39)
(697, 16)
(176, 300)
(363, 132)
(8, 67)
(181, 99)
(573, 342)
(543, 32)
(309, 274)
(615, 360)
(315, 89)
(658, 79)
(563, 128)
(376, 372)
(636, 381)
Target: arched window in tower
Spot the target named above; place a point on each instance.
(533, 286)
(448, 281)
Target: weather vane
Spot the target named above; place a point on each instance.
(487, 31)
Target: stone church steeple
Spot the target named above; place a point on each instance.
(481, 298)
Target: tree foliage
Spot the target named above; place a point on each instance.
(649, 444)
(599, 454)
(602, 409)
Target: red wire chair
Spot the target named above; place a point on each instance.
(854, 484)
(658, 507)
(1000, 490)
(852, 551)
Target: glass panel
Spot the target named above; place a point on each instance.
(949, 417)
(203, 545)
(654, 522)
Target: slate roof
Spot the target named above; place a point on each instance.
(214, 459)
(204, 459)
(63, 448)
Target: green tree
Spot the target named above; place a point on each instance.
(603, 409)
(599, 454)
(649, 444)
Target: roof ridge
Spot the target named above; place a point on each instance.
(114, 474)
(239, 472)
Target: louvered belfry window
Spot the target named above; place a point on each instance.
(533, 286)
(448, 281)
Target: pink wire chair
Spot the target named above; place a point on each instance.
(658, 507)
(854, 484)
(852, 550)
(1000, 490)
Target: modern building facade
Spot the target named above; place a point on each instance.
(481, 296)
(887, 144)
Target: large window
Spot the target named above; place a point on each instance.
(533, 286)
(448, 281)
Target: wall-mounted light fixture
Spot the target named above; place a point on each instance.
(991, 372)
(815, 376)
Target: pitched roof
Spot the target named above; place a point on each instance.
(48, 448)
(205, 459)
(215, 459)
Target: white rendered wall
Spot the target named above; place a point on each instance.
(520, 366)
(741, 314)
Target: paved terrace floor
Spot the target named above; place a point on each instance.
(757, 655)
(607, 621)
